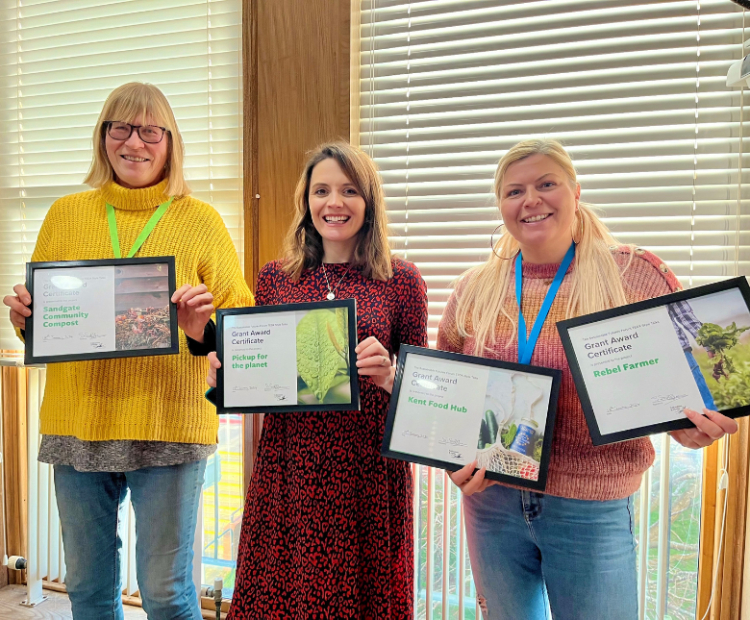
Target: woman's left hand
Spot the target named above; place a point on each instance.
(374, 360)
(708, 428)
(194, 309)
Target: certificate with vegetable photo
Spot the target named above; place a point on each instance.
(293, 357)
(85, 310)
(448, 410)
(638, 367)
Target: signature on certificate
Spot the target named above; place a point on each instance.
(666, 398)
(49, 337)
(97, 345)
(451, 442)
(270, 387)
(623, 407)
(454, 454)
(91, 336)
(240, 388)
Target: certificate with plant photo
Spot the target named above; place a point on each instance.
(448, 410)
(637, 367)
(292, 357)
(85, 310)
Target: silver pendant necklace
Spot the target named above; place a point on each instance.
(332, 291)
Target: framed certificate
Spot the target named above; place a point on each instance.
(293, 357)
(94, 309)
(637, 367)
(448, 410)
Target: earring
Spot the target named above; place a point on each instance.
(492, 245)
(579, 221)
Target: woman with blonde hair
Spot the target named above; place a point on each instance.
(140, 423)
(327, 528)
(571, 549)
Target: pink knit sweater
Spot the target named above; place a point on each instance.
(577, 469)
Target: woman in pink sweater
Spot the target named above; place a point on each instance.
(571, 549)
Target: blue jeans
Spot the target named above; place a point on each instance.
(708, 398)
(165, 501)
(532, 553)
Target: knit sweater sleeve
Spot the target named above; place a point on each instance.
(644, 275)
(44, 248)
(449, 338)
(219, 268)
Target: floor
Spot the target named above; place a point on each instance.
(56, 607)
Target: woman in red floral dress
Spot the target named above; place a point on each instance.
(327, 527)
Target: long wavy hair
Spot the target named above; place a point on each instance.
(303, 246)
(596, 280)
(127, 103)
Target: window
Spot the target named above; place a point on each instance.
(637, 94)
(59, 59)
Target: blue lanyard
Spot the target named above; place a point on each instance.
(526, 347)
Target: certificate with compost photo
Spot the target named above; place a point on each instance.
(637, 367)
(293, 357)
(85, 310)
(448, 410)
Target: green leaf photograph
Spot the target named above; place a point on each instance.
(323, 358)
(717, 336)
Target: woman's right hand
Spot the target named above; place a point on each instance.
(469, 482)
(19, 306)
(214, 362)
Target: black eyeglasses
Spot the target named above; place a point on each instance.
(152, 134)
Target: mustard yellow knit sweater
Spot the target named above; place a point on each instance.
(139, 398)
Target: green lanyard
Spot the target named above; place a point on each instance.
(150, 225)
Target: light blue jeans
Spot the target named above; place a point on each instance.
(165, 501)
(533, 553)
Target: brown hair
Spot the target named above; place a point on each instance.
(303, 246)
(126, 103)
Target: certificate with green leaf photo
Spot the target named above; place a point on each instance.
(638, 367)
(292, 357)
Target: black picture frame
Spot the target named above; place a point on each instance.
(555, 375)
(564, 328)
(33, 268)
(349, 305)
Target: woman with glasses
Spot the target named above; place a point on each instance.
(134, 424)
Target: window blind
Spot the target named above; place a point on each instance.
(59, 59)
(635, 91)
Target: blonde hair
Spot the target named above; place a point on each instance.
(595, 282)
(303, 246)
(126, 103)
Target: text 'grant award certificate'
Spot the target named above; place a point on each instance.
(448, 410)
(293, 357)
(637, 367)
(86, 310)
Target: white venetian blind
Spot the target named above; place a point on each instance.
(59, 59)
(635, 91)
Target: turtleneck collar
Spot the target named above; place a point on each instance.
(543, 271)
(134, 199)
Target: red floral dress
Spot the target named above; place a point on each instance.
(327, 530)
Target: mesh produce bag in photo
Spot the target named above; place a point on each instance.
(502, 461)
